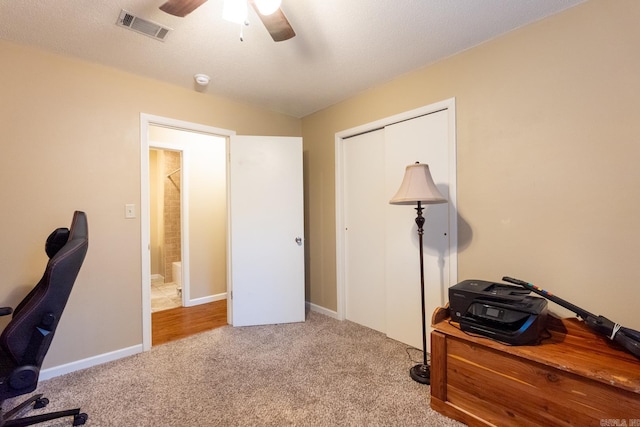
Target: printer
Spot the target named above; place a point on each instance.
(505, 313)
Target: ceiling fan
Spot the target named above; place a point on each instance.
(269, 12)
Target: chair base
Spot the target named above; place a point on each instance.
(38, 401)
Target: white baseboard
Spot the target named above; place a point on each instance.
(205, 300)
(322, 310)
(89, 362)
(56, 371)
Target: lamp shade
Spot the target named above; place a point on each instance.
(417, 186)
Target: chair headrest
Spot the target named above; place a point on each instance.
(56, 241)
(79, 228)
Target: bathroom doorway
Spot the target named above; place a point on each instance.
(202, 183)
(165, 180)
(213, 159)
(188, 181)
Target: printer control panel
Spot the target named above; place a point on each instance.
(492, 312)
(498, 314)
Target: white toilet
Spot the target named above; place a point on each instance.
(176, 269)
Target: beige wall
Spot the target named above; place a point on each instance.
(70, 133)
(547, 184)
(548, 135)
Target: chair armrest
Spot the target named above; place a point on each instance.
(5, 311)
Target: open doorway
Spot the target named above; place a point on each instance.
(165, 180)
(187, 226)
(278, 231)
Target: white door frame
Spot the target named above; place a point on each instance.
(147, 120)
(448, 104)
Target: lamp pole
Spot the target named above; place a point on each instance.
(418, 187)
(421, 372)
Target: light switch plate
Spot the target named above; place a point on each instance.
(129, 211)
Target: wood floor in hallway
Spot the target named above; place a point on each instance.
(180, 322)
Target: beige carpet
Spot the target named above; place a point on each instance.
(322, 372)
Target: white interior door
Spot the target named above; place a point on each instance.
(425, 140)
(266, 230)
(381, 253)
(364, 199)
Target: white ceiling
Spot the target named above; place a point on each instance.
(342, 47)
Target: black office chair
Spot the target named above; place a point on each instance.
(26, 339)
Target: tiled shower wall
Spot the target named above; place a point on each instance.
(172, 239)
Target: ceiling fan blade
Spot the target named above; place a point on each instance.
(276, 23)
(181, 8)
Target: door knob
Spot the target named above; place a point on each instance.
(299, 240)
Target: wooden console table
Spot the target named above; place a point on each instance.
(573, 378)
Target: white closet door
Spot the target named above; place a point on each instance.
(426, 140)
(364, 216)
(382, 263)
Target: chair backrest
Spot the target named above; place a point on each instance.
(27, 337)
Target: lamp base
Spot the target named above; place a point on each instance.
(421, 373)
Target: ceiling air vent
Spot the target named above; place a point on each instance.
(142, 26)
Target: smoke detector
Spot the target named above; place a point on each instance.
(201, 79)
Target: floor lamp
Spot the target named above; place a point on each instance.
(417, 188)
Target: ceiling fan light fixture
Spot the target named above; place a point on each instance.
(235, 11)
(267, 7)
